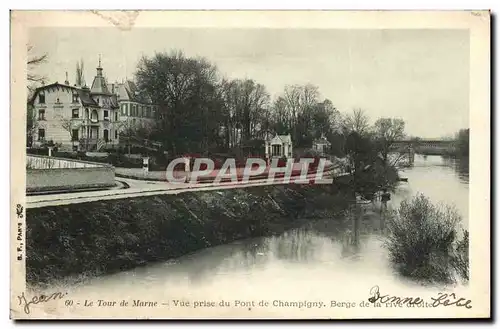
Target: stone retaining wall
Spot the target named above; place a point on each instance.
(64, 174)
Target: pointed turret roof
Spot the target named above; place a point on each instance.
(99, 85)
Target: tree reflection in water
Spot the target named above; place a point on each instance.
(461, 167)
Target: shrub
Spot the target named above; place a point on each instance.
(461, 256)
(422, 240)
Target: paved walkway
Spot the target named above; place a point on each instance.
(139, 173)
(146, 188)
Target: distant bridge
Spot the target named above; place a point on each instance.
(426, 146)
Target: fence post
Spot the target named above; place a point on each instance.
(145, 164)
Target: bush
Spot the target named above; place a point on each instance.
(422, 241)
(461, 256)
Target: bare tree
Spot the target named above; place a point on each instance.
(70, 126)
(31, 122)
(357, 122)
(127, 129)
(184, 88)
(387, 132)
(34, 61)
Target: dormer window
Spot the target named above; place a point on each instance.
(75, 98)
(41, 98)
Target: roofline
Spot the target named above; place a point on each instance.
(31, 100)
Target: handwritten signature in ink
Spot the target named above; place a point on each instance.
(449, 300)
(443, 299)
(38, 299)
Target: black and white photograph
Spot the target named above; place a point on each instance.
(251, 167)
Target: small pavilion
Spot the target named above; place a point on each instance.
(279, 146)
(322, 145)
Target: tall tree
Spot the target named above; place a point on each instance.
(246, 110)
(185, 89)
(357, 122)
(80, 79)
(387, 132)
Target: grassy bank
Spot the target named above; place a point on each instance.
(108, 236)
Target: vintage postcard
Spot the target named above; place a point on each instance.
(250, 164)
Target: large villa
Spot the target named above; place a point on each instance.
(81, 118)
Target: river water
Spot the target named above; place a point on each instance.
(312, 262)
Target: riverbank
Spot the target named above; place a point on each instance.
(103, 237)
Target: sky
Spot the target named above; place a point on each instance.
(420, 76)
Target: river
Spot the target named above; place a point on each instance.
(312, 262)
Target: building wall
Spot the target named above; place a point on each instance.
(137, 115)
(58, 104)
(58, 108)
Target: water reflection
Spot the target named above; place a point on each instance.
(461, 167)
(329, 250)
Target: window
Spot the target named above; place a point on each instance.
(116, 115)
(106, 137)
(124, 109)
(41, 114)
(74, 135)
(94, 116)
(41, 98)
(75, 98)
(106, 115)
(58, 101)
(116, 134)
(276, 150)
(75, 113)
(41, 134)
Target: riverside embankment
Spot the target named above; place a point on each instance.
(107, 236)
